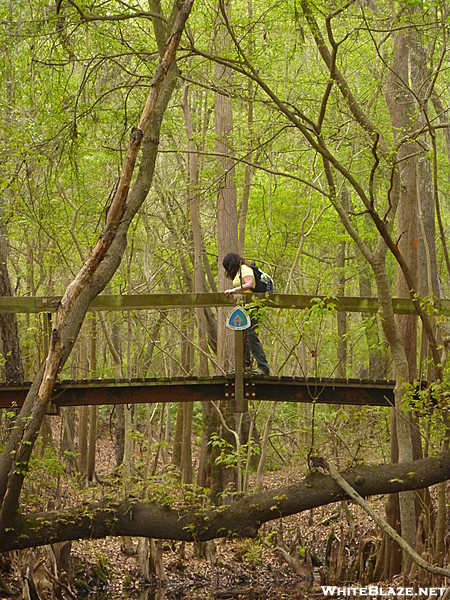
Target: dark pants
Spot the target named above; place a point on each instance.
(253, 347)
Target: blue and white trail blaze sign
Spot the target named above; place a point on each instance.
(238, 319)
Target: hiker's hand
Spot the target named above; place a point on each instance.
(230, 291)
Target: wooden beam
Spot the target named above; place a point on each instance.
(39, 304)
(240, 405)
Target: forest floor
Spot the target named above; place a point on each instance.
(252, 569)
(322, 542)
(240, 568)
(237, 568)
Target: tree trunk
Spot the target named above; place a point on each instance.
(227, 217)
(186, 446)
(227, 231)
(341, 370)
(9, 332)
(113, 342)
(378, 361)
(93, 410)
(182, 444)
(197, 251)
(249, 169)
(403, 430)
(177, 437)
(416, 230)
(83, 416)
(403, 113)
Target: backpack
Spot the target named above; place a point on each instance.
(263, 282)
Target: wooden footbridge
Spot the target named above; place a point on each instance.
(239, 387)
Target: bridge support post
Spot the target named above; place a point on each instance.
(240, 400)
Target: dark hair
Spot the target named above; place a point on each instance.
(232, 263)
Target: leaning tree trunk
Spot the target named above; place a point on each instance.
(243, 517)
(94, 275)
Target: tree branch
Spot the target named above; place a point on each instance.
(123, 17)
(337, 76)
(353, 494)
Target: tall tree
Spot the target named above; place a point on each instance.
(227, 215)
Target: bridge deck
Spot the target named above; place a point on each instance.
(151, 391)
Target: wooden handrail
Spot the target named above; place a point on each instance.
(39, 304)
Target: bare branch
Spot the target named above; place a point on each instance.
(123, 17)
(353, 494)
(356, 110)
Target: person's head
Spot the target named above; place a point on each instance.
(232, 263)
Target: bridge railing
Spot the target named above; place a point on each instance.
(125, 302)
(154, 335)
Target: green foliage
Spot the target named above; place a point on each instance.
(228, 456)
(101, 571)
(250, 551)
(424, 402)
(44, 472)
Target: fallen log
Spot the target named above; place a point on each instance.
(242, 518)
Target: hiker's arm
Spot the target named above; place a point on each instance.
(247, 284)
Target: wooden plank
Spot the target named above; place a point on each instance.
(107, 302)
(28, 304)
